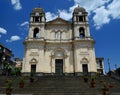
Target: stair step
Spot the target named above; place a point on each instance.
(50, 85)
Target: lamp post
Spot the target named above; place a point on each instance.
(3, 65)
(116, 66)
(109, 67)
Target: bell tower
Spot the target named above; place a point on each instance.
(37, 24)
(84, 53)
(80, 23)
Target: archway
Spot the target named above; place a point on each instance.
(59, 67)
(36, 33)
(33, 63)
(59, 60)
(82, 32)
(84, 63)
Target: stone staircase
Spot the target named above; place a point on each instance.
(59, 85)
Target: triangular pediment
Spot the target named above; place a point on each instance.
(58, 20)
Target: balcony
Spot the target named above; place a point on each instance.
(83, 38)
(54, 40)
(34, 39)
(48, 40)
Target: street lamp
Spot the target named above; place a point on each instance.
(2, 65)
(116, 66)
(109, 66)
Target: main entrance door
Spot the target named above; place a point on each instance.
(85, 69)
(59, 67)
(33, 69)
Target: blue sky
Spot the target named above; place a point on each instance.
(104, 19)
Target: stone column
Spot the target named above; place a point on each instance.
(52, 64)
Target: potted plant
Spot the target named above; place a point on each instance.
(86, 78)
(31, 77)
(101, 80)
(21, 83)
(105, 89)
(93, 82)
(9, 87)
(111, 85)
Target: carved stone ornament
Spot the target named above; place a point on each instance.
(35, 46)
(34, 54)
(59, 21)
(33, 61)
(84, 60)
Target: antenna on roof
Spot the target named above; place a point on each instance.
(58, 14)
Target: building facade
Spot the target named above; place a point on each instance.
(59, 47)
(18, 62)
(5, 59)
(100, 66)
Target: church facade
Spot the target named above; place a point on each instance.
(59, 47)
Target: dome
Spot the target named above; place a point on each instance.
(40, 10)
(79, 9)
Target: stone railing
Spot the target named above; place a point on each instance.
(83, 38)
(35, 39)
(59, 40)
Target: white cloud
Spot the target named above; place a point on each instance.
(13, 38)
(101, 10)
(50, 16)
(16, 4)
(101, 14)
(101, 17)
(65, 14)
(62, 13)
(23, 26)
(104, 15)
(26, 23)
(91, 5)
(3, 31)
(114, 8)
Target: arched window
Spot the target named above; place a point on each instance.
(81, 32)
(36, 33)
(81, 18)
(36, 19)
(58, 35)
